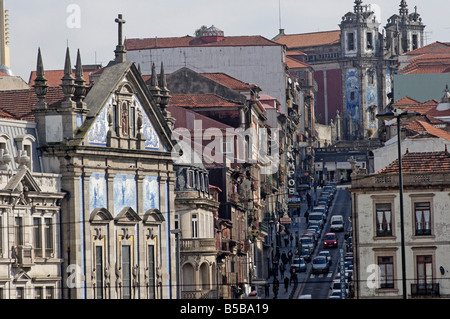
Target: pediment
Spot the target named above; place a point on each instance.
(123, 82)
(22, 277)
(153, 216)
(100, 215)
(23, 181)
(127, 216)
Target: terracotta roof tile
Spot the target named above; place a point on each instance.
(405, 101)
(420, 163)
(229, 81)
(310, 39)
(54, 77)
(188, 41)
(423, 127)
(20, 103)
(201, 101)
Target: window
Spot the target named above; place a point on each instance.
(48, 237)
(386, 272)
(369, 43)
(352, 96)
(126, 271)
(415, 42)
(177, 221)
(350, 41)
(383, 219)
(194, 226)
(38, 293)
(20, 293)
(99, 271)
(422, 219)
(151, 272)
(37, 237)
(18, 231)
(49, 292)
(424, 272)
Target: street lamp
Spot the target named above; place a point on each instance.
(398, 115)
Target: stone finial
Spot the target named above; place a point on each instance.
(154, 88)
(165, 96)
(40, 83)
(80, 83)
(68, 82)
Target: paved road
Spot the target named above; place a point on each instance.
(318, 285)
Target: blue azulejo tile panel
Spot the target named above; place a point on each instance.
(99, 130)
(151, 192)
(98, 196)
(124, 192)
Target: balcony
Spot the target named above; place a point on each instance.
(425, 290)
(197, 245)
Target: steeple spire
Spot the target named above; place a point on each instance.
(40, 82)
(154, 88)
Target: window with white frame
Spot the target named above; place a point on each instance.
(383, 217)
(194, 226)
(422, 215)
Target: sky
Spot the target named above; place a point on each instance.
(88, 25)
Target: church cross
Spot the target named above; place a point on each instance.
(120, 22)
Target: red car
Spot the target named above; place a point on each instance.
(330, 240)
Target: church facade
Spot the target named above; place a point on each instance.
(362, 59)
(111, 146)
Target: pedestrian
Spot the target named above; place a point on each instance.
(282, 270)
(291, 238)
(307, 216)
(290, 256)
(266, 289)
(275, 287)
(286, 284)
(295, 279)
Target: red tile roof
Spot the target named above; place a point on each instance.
(425, 162)
(20, 103)
(423, 127)
(405, 101)
(310, 39)
(229, 82)
(202, 101)
(185, 119)
(188, 41)
(54, 77)
(4, 74)
(432, 58)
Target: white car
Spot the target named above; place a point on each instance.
(337, 223)
(327, 254)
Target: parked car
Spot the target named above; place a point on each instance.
(299, 264)
(320, 265)
(326, 254)
(337, 223)
(330, 240)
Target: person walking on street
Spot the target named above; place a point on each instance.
(275, 287)
(290, 255)
(286, 284)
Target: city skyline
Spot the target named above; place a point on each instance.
(70, 23)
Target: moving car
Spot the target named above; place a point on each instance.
(316, 218)
(326, 254)
(337, 223)
(336, 287)
(299, 264)
(320, 265)
(307, 241)
(330, 240)
(305, 253)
